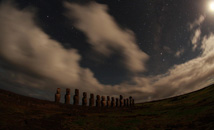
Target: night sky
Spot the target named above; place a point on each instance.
(149, 49)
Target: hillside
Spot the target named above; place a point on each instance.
(190, 111)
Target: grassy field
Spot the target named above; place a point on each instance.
(191, 111)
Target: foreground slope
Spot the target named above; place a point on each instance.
(190, 111)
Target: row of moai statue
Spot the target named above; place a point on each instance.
(100, 101)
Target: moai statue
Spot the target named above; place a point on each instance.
(117, 102)
(103, 102)
(91, 100)
(130, 101)
(108, 102)
(57, 95)
(121, 101)
(124, 103)
(76, 97)
(84, 99)
(112, 102)
(127, 102)
(67, 96)
(98, 102)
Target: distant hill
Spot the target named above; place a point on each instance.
(190, 111)
(202, 97)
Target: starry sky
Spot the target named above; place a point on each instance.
(149, 49)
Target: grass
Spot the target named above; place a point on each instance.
(191, 111)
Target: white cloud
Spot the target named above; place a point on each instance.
(27, 46)
(197, 31)
(32, 52)
(105, 35)
(196, 38)
(197, 22)
(183, 78)
(208, 45)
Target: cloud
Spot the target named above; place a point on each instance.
(39, 64)
(182, 78)
(197, 22)
(179, 53)
(25, 45)
(197, 31)
(31, 52)
(196, 38)
(207, 45)
(105, 35)
(185, 77)
(191, 75)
